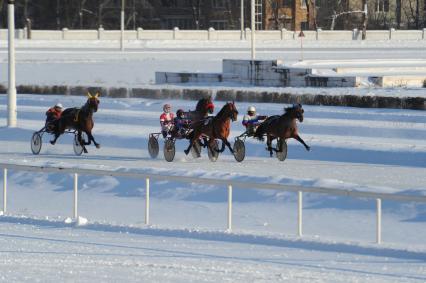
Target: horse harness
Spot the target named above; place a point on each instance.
(76, 115)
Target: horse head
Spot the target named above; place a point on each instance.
(299, 111)
(233, 112)
(295, 112)
(93, 101)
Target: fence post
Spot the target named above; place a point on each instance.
(379, 221)
(147, 201)
(175, 32)
(299, 215)
(75, 195)
(4, 190)
(64, 33)
(229, 208)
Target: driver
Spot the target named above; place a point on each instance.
(166, 119)
(251, 120)
(53, 115)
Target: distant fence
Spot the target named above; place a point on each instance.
(221, 182)
(217, 35)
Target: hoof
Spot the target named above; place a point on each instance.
(52, 142)
(308, 148)
(186, 151)
(98, 146)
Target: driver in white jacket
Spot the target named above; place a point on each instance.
(251, 120)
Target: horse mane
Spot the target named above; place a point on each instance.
(222, 110)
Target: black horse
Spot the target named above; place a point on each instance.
(203, 108)
(282, 127)
(79, 119)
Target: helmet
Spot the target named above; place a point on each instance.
(166, 108)
(180, 112)
(59, 105)
(251, 109)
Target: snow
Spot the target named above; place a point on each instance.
(100, 63)
(377, 150)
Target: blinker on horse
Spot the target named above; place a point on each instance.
(81, 120)
(282, 127)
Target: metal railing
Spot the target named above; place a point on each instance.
(226, 183)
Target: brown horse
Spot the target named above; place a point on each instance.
(218, 127)
(81, 120)
(282, 127)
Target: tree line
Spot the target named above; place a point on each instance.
(92, 14)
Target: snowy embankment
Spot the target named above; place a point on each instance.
(376, 150)
(369, 149)
(101, 64)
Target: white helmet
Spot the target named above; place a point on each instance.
(59, 105)
(251, 109)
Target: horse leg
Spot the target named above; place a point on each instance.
(269, 145)
(222, 149)
(92, 138)
(57, 134)
(59, 130)
(195, 138)
(205, 142)
(226, 142)
(81, 141)
(298, 138)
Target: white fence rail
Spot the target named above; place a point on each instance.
(217, 35)
(226, 183)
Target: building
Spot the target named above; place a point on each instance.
(289, 14)
(225, 14)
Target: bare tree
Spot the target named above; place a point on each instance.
(398, 14)
(424, 14)
(417, 15)
(274, 6)
(312, 14)
(413, 12)
(364, 20)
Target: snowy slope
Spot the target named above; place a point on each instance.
(368, 149)
(376, 150)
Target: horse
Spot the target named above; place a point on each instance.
(203, 108)
(79, 119)
(282, 127)
(217, 128)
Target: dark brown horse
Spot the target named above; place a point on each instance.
(204, 107)
(218, 127)
(81, 120)
(282, 127)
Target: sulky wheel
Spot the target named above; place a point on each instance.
(169, 150)
(36, 143)
(239, 150)
(281, 149)
(153, 147)
(196, 149)
(78, 148)
(213, 151)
